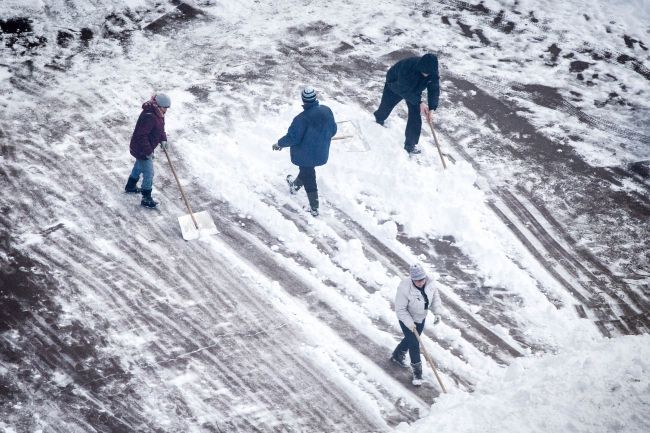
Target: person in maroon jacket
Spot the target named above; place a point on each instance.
(149, 132)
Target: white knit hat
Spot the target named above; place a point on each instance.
(417, 272)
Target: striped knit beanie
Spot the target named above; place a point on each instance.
(308, 95)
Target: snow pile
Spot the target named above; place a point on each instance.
(602, 387)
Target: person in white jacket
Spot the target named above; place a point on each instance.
(416, 294)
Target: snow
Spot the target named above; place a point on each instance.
(599, 387)
(579, 382)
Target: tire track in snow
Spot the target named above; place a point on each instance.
(252, 252)
(486, 338)
(393, 262)
(630, 306)
(132, 308)
(559, 262)
(196, 331)
(593, 294)
(159, 325)
(84, 267)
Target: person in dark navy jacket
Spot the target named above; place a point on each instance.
(309, 138)
(406, 80)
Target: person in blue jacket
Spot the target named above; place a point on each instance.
(406, 80)
(309, 138)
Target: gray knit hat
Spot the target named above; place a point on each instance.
(163, 100)
(308, 95)
(417, 272)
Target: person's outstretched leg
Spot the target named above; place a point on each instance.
(294, 184)
(399, 354)
(389, 100)
(134, 177)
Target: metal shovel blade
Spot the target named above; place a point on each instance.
(203, 220)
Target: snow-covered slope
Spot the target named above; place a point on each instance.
(595, 388)
(283, 322)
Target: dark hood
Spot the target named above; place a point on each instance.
(428, 64)
(151, 107)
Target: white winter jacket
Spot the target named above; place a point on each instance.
(409, 302)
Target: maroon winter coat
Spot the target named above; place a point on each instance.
(149, 131)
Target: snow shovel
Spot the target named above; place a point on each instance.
(430, 122)
(351, 137)
(430, 361)
(194, 225)
(344, 132)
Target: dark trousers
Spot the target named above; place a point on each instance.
(307, 178)
(389, 100)
(410, 341)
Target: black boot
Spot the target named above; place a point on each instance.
(131, 186)
(147, 201)
(417, 374)
(294, 184)
(413, 150)
(312, 196)
(399, 357)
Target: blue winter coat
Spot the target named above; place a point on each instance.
(405, 79)
(310, 135)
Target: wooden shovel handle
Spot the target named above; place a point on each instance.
(435, 139)
(181, 188)
(430, 361)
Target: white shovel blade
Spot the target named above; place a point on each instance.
(203, 220)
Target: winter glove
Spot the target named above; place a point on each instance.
(150, 156)
(414, 329)
(164, 145)
(436, 319)
(276, 146)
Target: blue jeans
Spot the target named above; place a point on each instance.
(410, 341)
(389, 100)
(144, 167)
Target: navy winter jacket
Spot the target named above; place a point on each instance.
(149, 131)
(310, 135)
(405, 79)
